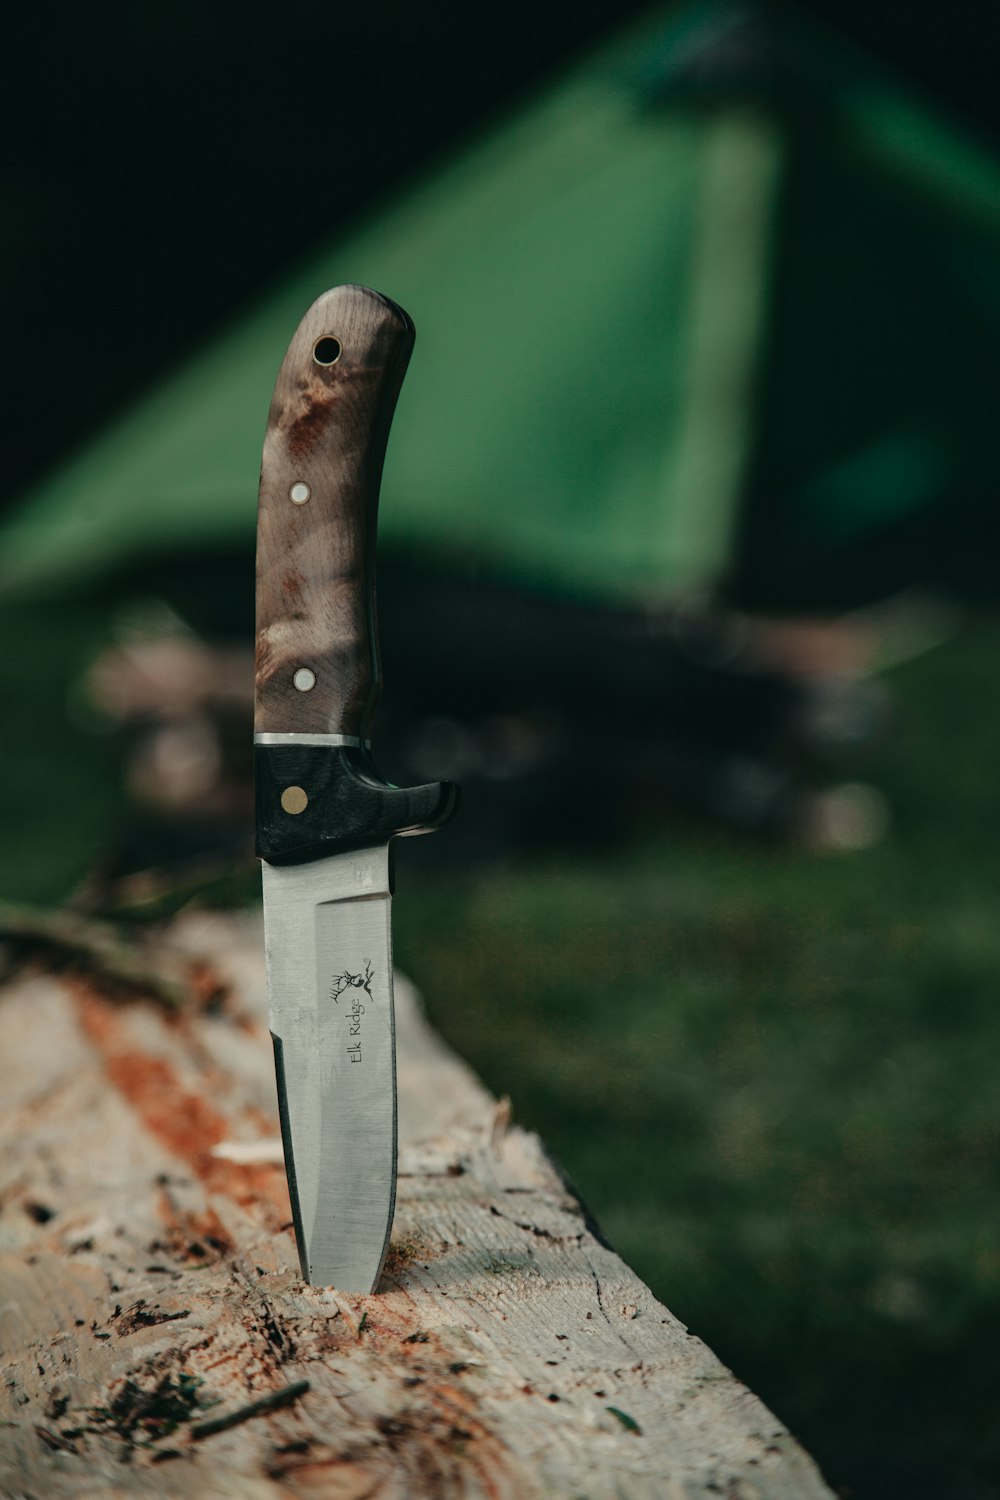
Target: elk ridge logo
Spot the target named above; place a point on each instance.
(348, 981)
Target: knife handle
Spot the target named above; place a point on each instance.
(317, 668)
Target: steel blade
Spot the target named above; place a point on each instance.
(329, 973)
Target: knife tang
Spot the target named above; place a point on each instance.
(317, 667)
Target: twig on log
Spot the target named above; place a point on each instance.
(271, 1402)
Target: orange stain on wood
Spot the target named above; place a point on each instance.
(182, 1120)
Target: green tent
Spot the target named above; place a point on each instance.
(711, 308)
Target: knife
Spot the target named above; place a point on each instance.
(325, 817)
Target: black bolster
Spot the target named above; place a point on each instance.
(348, 806)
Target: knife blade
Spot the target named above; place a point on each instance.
(325, 818)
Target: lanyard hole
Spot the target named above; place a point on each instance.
(326, 351)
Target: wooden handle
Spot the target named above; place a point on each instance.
(317, 641)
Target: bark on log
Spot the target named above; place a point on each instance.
(157, 1339)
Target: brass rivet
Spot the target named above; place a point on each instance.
(294, 799)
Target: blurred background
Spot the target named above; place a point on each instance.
(687, 574)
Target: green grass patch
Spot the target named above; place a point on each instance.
(772, 1075)
(60, 778)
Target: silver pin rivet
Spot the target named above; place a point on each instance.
(304, 679)
(299, 493)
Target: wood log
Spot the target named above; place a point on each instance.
(158, 1341)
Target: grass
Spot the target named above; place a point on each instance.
(772, 1075)
(60, 794)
